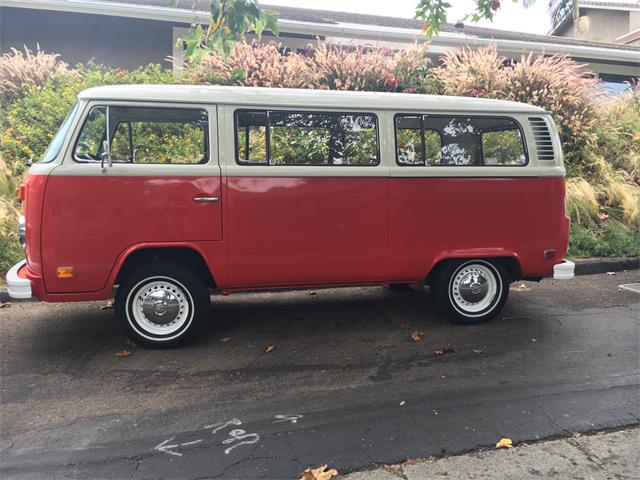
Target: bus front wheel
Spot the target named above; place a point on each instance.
(162, 304)
(470, 291)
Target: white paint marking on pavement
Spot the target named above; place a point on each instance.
(216, 427)
(164, 448)
(239, 434)
(631, 287)
(287, 418)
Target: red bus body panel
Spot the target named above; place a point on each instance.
(90, 221)
(436, 218)
(288, 231)
(285, 231)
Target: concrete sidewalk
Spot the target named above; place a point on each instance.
(614, 455)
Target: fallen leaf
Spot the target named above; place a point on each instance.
(416, 336)
(445, 349)
(269, 348)
(405, 325)
(611, 273)
(5, 304)
(320, 473)
(123, 354)
(225, 339)
(476, 350)
(504, 443)
(107, 306)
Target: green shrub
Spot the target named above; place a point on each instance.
(611, 239)
(28, 124)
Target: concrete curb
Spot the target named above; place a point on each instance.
(584, 266)
(590, 266)
(599, 455)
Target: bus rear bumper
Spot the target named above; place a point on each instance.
(564, 270)
(18, 285)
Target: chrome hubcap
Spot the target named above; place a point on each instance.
(160, 306)
(474, 288)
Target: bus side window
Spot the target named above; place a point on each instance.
(251, 138)
(503, 147)
(409, 140)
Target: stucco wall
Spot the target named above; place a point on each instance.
(603, 26)
(115, 41)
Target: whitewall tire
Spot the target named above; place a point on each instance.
(162, 304)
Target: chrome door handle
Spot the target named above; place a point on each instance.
(206, 199)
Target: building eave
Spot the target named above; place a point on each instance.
(374, 33)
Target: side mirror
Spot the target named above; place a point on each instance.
(106, 155)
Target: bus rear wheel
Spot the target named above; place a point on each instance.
(470, 291)
(162, 304)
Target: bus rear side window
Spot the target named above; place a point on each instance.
(459, 141)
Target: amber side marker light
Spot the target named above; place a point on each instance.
(65, 272)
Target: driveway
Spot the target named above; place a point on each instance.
(342, 383)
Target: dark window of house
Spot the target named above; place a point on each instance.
(306, 138)
(459, 141)
(615, 85)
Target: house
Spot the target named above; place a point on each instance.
(612, 22)
(131, 33)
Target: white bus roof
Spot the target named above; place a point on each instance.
(301, 98)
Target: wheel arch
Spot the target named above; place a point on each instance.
(150, 253)
(508, 260)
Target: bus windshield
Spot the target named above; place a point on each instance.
(54, 147)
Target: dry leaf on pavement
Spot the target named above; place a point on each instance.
(405, 326)
(504, 443)
(225, 339)
(416, 336)
(476, 350)
(320, 473)
(123, 354)
(107, 306)
(5, 304)
(269, 348)
(445, 349)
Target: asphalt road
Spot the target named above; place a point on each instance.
(343, 385)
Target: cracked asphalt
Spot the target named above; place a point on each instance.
(343, 385)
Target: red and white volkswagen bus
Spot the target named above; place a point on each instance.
(170, 192)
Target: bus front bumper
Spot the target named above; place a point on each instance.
(564, 270)
(18, 285)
